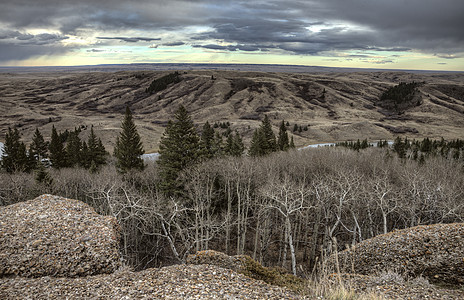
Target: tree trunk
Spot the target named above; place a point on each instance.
(290, 243)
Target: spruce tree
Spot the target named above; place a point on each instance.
(258, 144)
(269, 135)
(179, 148)
(237, 147)
(263, 141)
(73, 149)
(84, 156)
(282, 140)
(14, 157)
(42, 176)
(234, 145)
(129, 148)
(57, 152)
(218, 144)
(292, 144)
(208, 149)
(96, 153)
(38, 148)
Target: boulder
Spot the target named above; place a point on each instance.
(434, 251)
(246, 265)
(55, 236)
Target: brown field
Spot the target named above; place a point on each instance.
(349, 108)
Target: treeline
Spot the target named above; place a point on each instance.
(413, 149)
(419, 150)
(64, 150)
(162, 83)
(403, 92)
(282, 209)
(181, 146)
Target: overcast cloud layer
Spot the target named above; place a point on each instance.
(320, 27)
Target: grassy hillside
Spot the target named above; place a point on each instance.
(334, 106)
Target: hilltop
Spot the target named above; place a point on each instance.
(335, 106)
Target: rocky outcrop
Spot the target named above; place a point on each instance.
(435, 252)
(173, 282)
(57, 248)
(245, 265)
(55, 236)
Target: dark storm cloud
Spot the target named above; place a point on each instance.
(174, 44)
(19, 38)
(248, 48)
(394, 25)
(95, 50)
(300, 27)
(130, 39)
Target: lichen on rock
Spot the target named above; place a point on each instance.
(55, 236)
(433, 251)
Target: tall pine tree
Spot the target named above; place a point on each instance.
(38, 147)
(73, 149)
(207, 142)
(234, 145)
(14, 157)
(129, 148)
(292, 143)
(269, 135)
(282, 140)
(57, 151)
(179, 148)
(264, 140)
(96, 154)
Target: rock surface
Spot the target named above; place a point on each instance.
(390, 285)
(173, 282)
(55, 236)
(434, 251)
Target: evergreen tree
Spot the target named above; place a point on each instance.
(38, 148)
(282, 140)
(269, 135)
(295, 127)
(208, 149)
(57, 152)
(218, 144)
(73, 149)
(399, 147)
(263, 141)
(84, 156)
(14, 157)
(128, 148)
(96, 154)
(42, 176)
(292, 144)
(258, 144)
(234, 145)
(179, 148)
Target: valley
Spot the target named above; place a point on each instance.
(330, 106)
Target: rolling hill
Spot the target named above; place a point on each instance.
(334, 106)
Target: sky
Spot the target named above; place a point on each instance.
(381, 34)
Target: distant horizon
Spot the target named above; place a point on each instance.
(226, 66)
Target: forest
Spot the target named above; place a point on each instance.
(282, 206)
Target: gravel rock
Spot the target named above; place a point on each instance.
(392, 288)
(55, 236)
(173, 282)
(435, 252)
(216, 258)
(247, 266)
